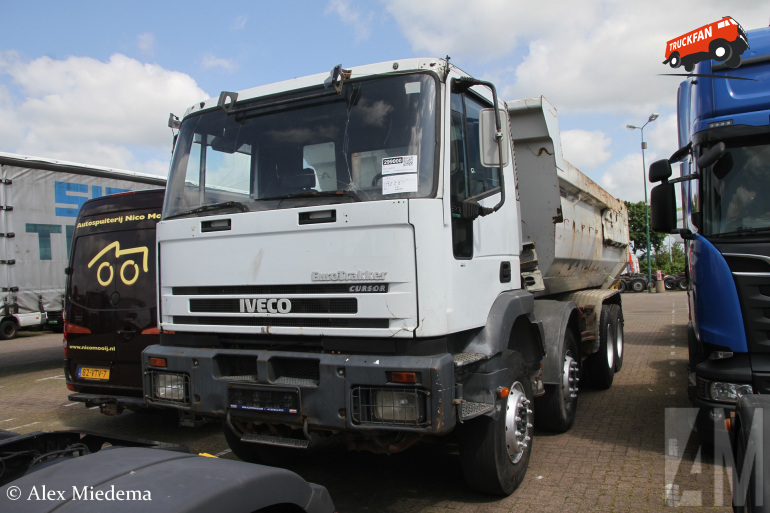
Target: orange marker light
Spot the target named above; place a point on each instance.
(157, 362)
(503, 392)
(403, 377)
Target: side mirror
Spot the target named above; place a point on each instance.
(489, 139)
(663, 208)
(660, 171)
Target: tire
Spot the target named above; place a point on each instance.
(681, 283)
(8, 329)
(599, 368)
(622, 286)
(674, 61)
(751, 493)
(494, 452)
(556, 409)
(669, 282)
(617, 316)
(720, 50)
(638, 285)
(734, 61)
(689, 67)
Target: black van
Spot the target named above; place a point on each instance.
(110, 309)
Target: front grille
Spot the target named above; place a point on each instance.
(236, 367)
(298, 306)
(390, 406)
(294, 322)
(752, 279)
(294, 371)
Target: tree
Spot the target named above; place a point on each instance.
(637, 227)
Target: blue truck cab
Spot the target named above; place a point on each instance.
(724, 136)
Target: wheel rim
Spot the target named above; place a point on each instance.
(619, 340)
(569, 385)
(518, 423)
(610, 348)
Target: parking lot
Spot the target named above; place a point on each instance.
(611, 460)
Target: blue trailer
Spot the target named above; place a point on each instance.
(724, 136)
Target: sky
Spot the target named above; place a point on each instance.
(95, 81)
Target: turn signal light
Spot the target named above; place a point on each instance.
(403, 377)
(157, 362)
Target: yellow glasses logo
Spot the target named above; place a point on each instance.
(127, 265)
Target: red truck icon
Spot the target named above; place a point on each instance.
(724, 41)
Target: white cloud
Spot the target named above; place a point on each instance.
(210, 61)
(146, 42)
(585, 150)
(360, 21)
(239, 22)
(596, 55)
(84, 110)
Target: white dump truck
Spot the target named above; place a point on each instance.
(360, 257)
(39, 201)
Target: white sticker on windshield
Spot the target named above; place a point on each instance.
(405, 164)
(395, 184)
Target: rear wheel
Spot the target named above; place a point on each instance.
(674, 61)
(622, 287)
(617, 316)
(7, 329)
(495, 452)
(556, 409)
(599, 368)
(638, 285)
(669, 282)
(682, 283)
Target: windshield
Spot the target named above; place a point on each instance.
(376, 140)
(735, 190)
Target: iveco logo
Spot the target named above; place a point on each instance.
(263, 305)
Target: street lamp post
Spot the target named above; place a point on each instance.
(652, 118)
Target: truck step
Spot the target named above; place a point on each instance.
(467, 358)
(275, 440)
(470, 410)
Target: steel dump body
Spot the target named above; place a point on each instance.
(579, 230)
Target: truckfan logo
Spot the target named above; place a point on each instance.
(724, 41)
(125, 269)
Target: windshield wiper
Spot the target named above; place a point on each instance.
(211, 207)
(323, 194)
(742, 232)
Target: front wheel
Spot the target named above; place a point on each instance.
(556, 409)
(495, 452)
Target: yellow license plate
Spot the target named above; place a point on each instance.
(94, 373)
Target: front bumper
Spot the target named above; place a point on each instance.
(329, 392)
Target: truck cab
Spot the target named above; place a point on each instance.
(723, 132)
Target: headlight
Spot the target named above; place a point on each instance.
(395, 405)
(169, 387)
(728, 392)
